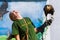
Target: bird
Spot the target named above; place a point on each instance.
(48, 9)
(3, 8)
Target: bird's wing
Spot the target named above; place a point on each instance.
(3, 8)
(4, 5)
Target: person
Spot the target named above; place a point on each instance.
(22, 28)
(19, 27)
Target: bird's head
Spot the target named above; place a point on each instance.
(48, 9)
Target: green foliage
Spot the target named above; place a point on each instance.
(5, 38)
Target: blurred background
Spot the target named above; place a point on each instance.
(33, 10)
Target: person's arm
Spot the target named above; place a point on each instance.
(41, 28)
(15, 31)
(35, 29)
(32, 24)
(17, 37)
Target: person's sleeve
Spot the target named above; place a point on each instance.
(15, 29)
(42, 27)
(31, 22)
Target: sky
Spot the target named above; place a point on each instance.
(33, 10)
